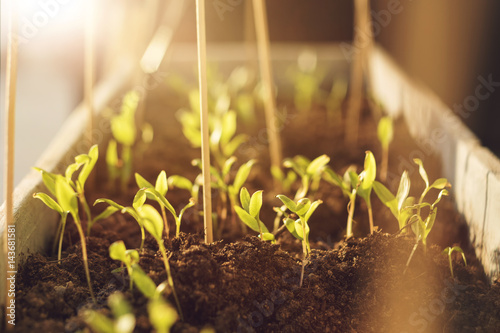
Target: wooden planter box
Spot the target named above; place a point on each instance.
(472, 169)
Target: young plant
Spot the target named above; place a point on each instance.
(448, 251)
(385, 134)
(139, 200)
(153, 223)
(118, 251)
(249, 213)
(299, 228)
(422, 225)
(158, 193)
(68, 193)
(123, 317)
(353, 184)
(310, 173)
(400, 204)
(124, 130)
(366, 179)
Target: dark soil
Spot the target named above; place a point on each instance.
(241, 284)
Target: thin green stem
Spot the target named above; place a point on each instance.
(165, 221)
(61, 236)
(169, 277)
(352, 204)
(84, 256)
(370, 217)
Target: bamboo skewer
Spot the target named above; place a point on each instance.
(89, 68)
(358, 68)
(262, 33)
(10, 107)
(205, 153)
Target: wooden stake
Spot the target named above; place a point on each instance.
(10, 268)
(363, 40)
(89, 68)
(205, 152)
(262, 33)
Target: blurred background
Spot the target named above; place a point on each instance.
(448, 45)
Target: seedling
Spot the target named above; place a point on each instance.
(385, 134)
(249, 213)
(400, 204)
(366, 179)
(124, 130)
(299, 228)
(67, 193)
(118, 251)
(153, 223)
(227, 189)
(310, 173)
(158, 193)
(123, 317)
(448, 251)
(422, 226)
(139, 200)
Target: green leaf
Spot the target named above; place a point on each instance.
(242, 174)
(99, 322)
(66, 196)
(71, 169)
(152, 220)
(49, 179)
(246, 218)
(123, 129)
(132, 255)
(180, 182)
(143, 282)
(422, 172)
(117, 251)
(440, 184)
(277, 173)
(161, 200)
(245, 199)
(311, 209)
(112, 154)
(290, 225)
(49, 202)
(385, 131)
(302, 207)
(125, 320)
(317, 165)
(105, 214)
(161, 184)
(287, 202)
(255, 204)
(403, 189)
(89, 165)
(142, 182)
(386, 197)
(147, 133)
(109, 202)
(298, 229)
(268, 236)
(370, 169)
(228, 127)
(440, 196)
(161, 315)
(229, 148)
(226, 168)
(139, 199)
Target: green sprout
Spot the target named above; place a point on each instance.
(335, 99)
(68, 193)
(249, 213)
(299, 228)
(385, 134)
(400, 204)
(366, 179)
(222, 182)
(118, 251)
(161, 315)
(153, 223)
(448, 251)
(138, 202)
(158, 193)
(124, 130)
(123, 318)
(310, 173)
